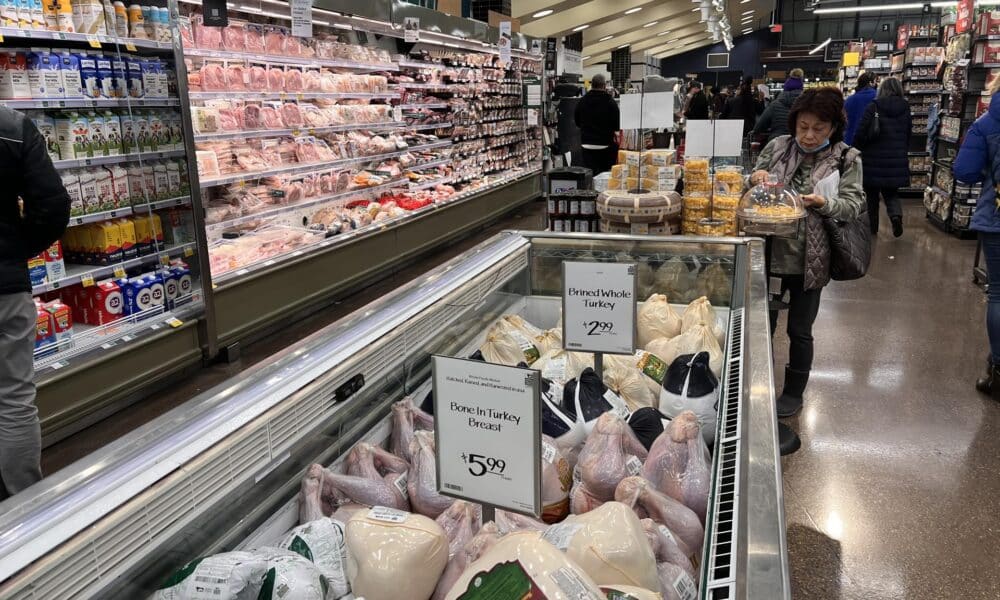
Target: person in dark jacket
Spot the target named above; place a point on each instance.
(719, 101)
(743, 106)
(697, 105)
(34, 212)
(978, 160)
(774, 121)
(887, 167)
(599, 120)
(855, 105)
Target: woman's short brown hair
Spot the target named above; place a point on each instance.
(827, 103)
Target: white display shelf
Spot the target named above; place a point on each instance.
(76, 273)
(15, 33)
(320, 166)
(251, 96)
(418, 106)
(428, 126)
(125, 211)
(291, 60)
(359, 194)
(259, 133)
(111, 160)
(124, 330)
(414, 187)
(89, 103)
(415, 85)
(430, 165)
(416, 64)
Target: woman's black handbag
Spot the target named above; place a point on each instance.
(850, 242)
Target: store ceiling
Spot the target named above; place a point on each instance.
(676, 30)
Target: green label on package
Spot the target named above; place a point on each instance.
(502, 582)
(651, 366)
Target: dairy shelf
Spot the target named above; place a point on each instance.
(76, 273)
(118, 158)
(130, 44)
(125, 211)
(43, 103)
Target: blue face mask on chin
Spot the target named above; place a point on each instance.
(825, 144)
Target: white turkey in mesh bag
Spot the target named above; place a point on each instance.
(701, 311)
(645, 275)
(527, 329)
(561, 365)
(657, 319)
(322, 542)
(507, 344)
(690, 385)
(699, 338)
(548, 340)
(608, 543)
(666, 349)
(225, 576)
(674, 279)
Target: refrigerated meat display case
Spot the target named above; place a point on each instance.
(223, 471)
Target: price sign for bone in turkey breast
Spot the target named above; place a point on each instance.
(487, 433)
(599, 307)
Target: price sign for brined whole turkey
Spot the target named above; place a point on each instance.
(487, 432)
(599, 307)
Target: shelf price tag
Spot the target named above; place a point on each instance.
(174, 322)
(165, 260)
(93, 41)
(130, 46)
(188, 252)
(492, 453)
(119, 271)
(599, 307)
(87, 279)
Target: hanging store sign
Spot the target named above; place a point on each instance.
(599, 307)
(492, 451)
(963, 18)
(532, 93)
(504, 42)
(411, 30)
(902, 37)
(215, 13)
(536, 47)
(302, 21)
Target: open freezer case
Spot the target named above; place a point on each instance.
(223, 471)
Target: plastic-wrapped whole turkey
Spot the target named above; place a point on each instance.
(562, 365)
(422, 478)
(657, 319)
(610, 454)
(375, 478)
(291, 576)
(521, 564)
(665, 546)
(557, 479)
(460, 524)
(691, 385)
(389, 551)
(226, 576)
(549, 340)
(625, 379)
(508, 344)
(586, 398)
(716, 284)
(674, 279)
(487, 536)
(568, 434)
(322, 542)
(647, 425)
(647, 501)
(608, 543)
(678, 464)
(406, 419)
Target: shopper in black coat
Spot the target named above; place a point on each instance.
(774, 121)
(743, 106)
(697, 105)
(34, 212)
(884, 155)
(599, 119)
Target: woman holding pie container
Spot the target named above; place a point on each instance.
(815, 157)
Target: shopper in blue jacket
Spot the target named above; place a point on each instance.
(855, 105)
(978, 160)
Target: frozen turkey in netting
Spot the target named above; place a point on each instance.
(609, 544)
(657, 319)
(508, 342)
(522, 564)
(701, 311)
(226, 576)
(691, 385)
(488, 535)
(562, 365)
(549, 340)
(626, 380)
(674, 279)
(586, 398)
(679, 465)
(611, 453)
(642, 496)
(322, 542)
(388, 549)
(291, 576)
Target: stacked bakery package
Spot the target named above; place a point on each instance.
(624, 494)
(726, 194)
(697, 193)
(640, 197)
(652, 170)
(710, 205)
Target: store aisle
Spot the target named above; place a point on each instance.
(894, 493)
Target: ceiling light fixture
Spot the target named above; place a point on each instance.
(748, 12)
(746, 31)
(662, 33)
(695, 9)
(650, 24)
(622, 46)
(889, 7)
(542, 13)
(605, 38)
(821, 46)
(581, 27)
(632, 11)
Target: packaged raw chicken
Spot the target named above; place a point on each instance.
(233, 37)
(253, 36)
(206, 38)
(236, 77)
(213, 77)
(275, 79)
(257, 78)
(274, 39)
(293, 80)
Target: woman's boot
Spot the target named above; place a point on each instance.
(990, 384)
(790, 400)
(788, 440)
